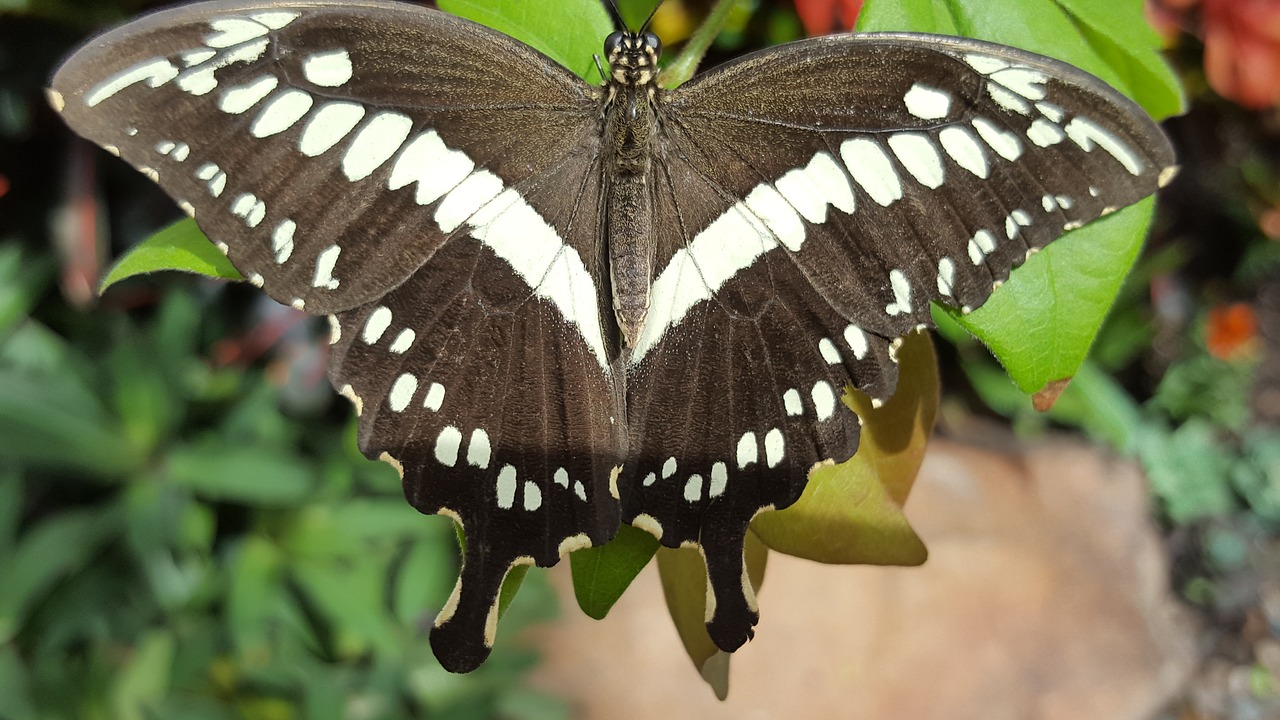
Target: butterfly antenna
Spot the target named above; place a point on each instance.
(618, 23)
(649, 19)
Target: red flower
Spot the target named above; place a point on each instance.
(1242, 50)
(824, 16)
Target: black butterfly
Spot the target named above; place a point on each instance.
(557, 307)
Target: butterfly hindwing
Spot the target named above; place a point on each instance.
(821, 195)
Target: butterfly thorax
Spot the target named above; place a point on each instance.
(630, 125)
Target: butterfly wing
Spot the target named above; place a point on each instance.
(813, 200)
(433, 185)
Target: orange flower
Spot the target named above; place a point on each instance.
(1231, 331)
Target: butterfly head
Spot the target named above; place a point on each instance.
(633, 56)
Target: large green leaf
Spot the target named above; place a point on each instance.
(601, 574)
(570, 32)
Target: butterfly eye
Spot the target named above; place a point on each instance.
(612, 44)
(652, 41)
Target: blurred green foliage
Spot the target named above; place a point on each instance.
(176, 540)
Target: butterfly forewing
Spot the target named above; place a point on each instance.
(814, 199)
(433, 184)
(304, 137)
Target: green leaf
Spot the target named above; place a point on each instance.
(684, 586)
(852, 512)
(1119, 34)
(254, 599)
(256, 476)
(48, 423)
(15, 686)
(143, 683)
(1258, 477)
(602, 574)
(181, 246)
(22, 279)
(932, 16)
(350, 595)
(568, 31)
(47, 553)
(426, 577)
(1039, 325)
(1188, 469)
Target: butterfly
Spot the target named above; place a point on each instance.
(558, 307)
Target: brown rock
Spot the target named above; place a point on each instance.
(1044, 598)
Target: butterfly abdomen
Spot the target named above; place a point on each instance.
(630, 121)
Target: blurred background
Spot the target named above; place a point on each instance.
(187, 529)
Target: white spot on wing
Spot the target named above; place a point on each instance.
(1086, 134)
(775, 447)
(669, 468)
(515, 232)
(901, 293)
(275, 19)
(241, 98)
(965, 150)
(777, 214)
(791, 401)
(870, 166)
(985, 64)
(191, 58)
(326, 128)
(325, 263)
(402, 391)
(282, 240)
(719, 480)
(448, 442)
(946, 276)
(561, 477)
(982, 243)
(403, 341)
(155, 72)
(857, 341)
(375, 143)
(331, 68)
(1044, 133)
(693, 489)
(824, 399)
(747, 452)
(730, 243)
(1005, 143)
(280, 113)
(918, 155)
(435, 397)
(479, 450)
(436, 168)
(1008, 99)
(579, 490)
(1023, 80)
(829, 351)
(230, 31)
(506, 487)
(927, 103)
(532, 496)
(464, 200)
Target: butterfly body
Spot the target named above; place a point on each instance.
(558, 307)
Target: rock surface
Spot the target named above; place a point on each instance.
(1044, 598)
